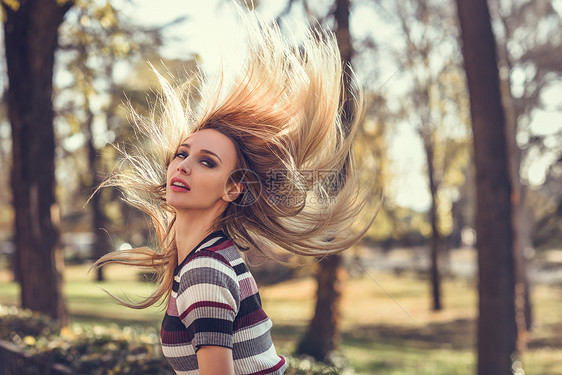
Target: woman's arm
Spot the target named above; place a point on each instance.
(215, 360)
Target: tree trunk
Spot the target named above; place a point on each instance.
(101, 241)
(497, 330)
(522, 222)
(30, 35)
(436, 240)
(323, 333)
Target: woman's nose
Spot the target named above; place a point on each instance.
(184, 167)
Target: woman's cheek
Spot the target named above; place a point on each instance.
(213, 186)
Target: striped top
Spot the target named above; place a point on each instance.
(215, 301)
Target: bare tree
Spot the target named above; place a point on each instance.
(31, 33)
(90, 52)
(536, 55)
(497, 330)
(426, 44)
(324, 330)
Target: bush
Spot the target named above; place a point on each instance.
(85, 349)
(307, 366)
(96, 350)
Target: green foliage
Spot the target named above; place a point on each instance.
(19, 323)
(307, 366)
(94, 349)
(89, 349)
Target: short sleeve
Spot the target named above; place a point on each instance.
(208, 300)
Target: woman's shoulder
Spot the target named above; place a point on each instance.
(223, 249)
(213, 266)
(222, 255)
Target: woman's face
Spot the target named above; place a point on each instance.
(198, 175)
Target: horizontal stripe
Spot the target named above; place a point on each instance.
(206, 262)
(212, 325)
(212, 339)
(236, 261)
(177, 350)
(205, 293)
(267, 363)
(280, 366)
(174, 337)
(248, 332)
(214, 238)
(217, 300)
(240, 269)
(205, 259)
(206, 274)
(248, 287)
(206, 304)
(258, 344)
(208, 243)
(250, 305)
(172, 324)
(250, 319)
(208, 312)
(219, 245)
(193, 372)
(172, 309)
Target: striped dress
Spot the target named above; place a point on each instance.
(215, 301)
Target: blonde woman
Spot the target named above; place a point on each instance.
(262, 162)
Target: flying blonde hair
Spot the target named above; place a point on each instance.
(284, 113)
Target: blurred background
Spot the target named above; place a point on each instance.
(404, 301)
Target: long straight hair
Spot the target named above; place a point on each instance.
(283, 110)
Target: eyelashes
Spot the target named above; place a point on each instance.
(204, 161)
(208, 163)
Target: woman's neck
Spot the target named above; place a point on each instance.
(192, 227)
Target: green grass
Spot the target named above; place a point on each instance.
(386, 335)
(387, 325)
(89, 304)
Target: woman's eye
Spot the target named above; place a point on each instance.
(207, 163)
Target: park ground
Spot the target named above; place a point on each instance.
(388, 327)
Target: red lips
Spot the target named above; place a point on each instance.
(179, 185)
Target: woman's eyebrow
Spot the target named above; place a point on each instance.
(203, 150)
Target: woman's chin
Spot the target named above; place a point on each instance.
(178, 206)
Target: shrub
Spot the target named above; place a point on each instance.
(86, 349)
(111, 350)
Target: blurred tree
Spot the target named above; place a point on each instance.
(140, 87)
(528, 44)
(96, 42)
(548, 228)
(30, 33)
(323, 333)
(435, 104)
(375, 171)
(6, 210)
(497, 330)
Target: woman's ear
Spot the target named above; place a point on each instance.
(233, 191)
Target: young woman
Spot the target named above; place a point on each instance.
(262, 162)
